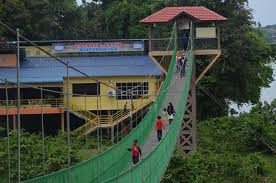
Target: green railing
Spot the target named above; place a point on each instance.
(116, 159)
(151, 169)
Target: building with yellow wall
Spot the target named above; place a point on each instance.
(125, 81)
(109, 99)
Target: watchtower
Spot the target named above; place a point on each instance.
(205, 25)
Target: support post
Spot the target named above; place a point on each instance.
(193, 88)
(112, 134)
(13, 122)
(18, 104)
(112, 125)
(68, 124)
(86, 123)
(187, 137)
(8, 129)
(62, 121)
(218, 35)
(150, 37)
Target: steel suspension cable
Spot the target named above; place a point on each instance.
(215, 98)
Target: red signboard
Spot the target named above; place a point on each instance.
(7, 60)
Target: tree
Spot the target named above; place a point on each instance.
(242, 70)
(229, 150)
(42, 20)
(239, 74)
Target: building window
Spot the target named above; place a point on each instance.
(127, 91)
(28, 53)
(85, 89)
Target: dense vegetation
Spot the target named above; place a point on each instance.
(55, 154)
(231, 149)
(270, 33)
(240, 73)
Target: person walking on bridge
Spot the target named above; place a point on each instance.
(171, 112)
(164, 117)
(178, 61)
(183, 67)
(159, 127)
(136, 152)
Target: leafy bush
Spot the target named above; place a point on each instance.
(204, 167)
(229, 151)
(56, 154)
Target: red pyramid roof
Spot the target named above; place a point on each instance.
(200, 13)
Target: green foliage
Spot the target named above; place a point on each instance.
(56, 153)
(210, 167)
(242, 70)
(41, 20)
(239, 75)
(270, 33)
(229, 150)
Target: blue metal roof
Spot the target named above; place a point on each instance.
(47, 70)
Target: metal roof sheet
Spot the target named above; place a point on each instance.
(200, 13)
(47, 70)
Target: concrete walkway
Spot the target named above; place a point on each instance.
(173, 96)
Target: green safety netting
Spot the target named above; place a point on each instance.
(154, 165)
(116, 159)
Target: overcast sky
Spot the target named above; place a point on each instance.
(264, 10)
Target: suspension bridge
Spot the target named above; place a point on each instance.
(114, 164)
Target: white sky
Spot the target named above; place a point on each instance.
(264, 11)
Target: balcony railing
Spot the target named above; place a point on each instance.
(206, 44)
(199, 44)
(161, 44)
(58, 102)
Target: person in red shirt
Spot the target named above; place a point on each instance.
(159, 127)
(136, 152)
